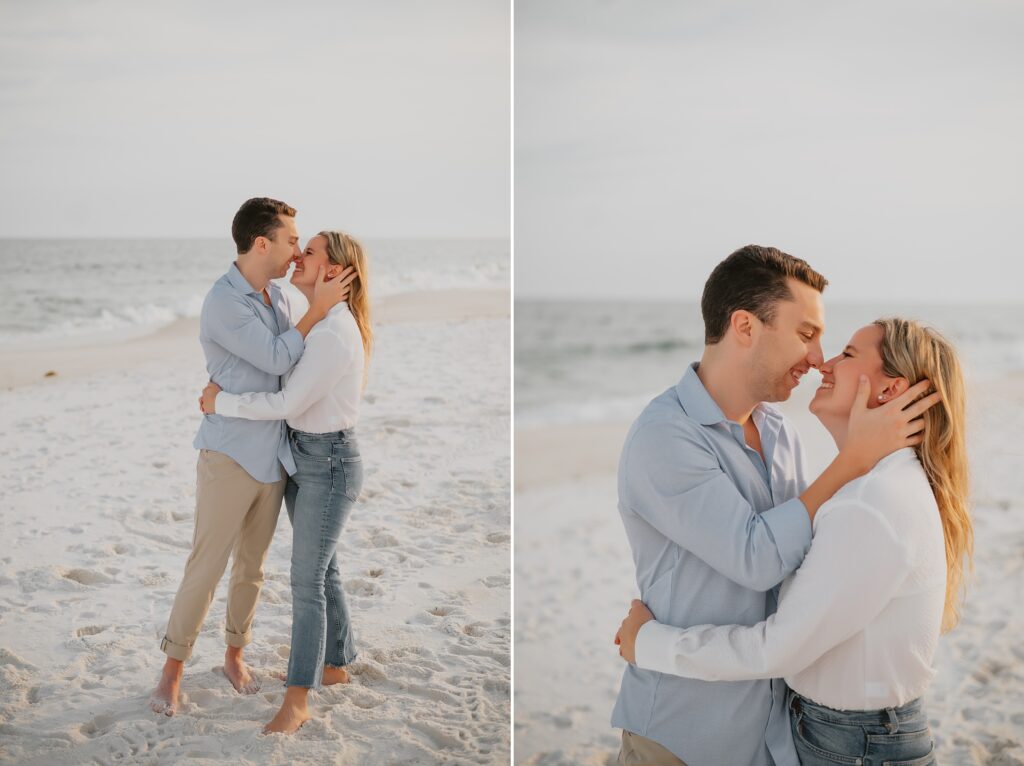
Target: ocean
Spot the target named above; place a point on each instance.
(62, 291)
(578, 362)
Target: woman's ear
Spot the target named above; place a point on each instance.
(893, 388)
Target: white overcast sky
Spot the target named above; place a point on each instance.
(158, 119)
(881, 141)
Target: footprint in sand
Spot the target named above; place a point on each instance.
(475, 629)
(381, 539)
(497, 581)
(359, 587)
(499, 537)
(90, 630)
(85, 576)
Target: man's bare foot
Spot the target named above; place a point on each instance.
(293, 713)
(164, 699)
(334, 676)
(237, 672)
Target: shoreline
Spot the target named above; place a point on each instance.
(180, 338)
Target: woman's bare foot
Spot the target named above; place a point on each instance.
(293, 713)
(334, 676)
(164, 699)
(330, 677)
(238, 673)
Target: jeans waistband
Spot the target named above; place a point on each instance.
(907, 712)
(348, 434)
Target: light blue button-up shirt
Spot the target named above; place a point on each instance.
(248, 346)
(714, 529)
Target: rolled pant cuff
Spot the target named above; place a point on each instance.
(238, 640)
(179, 652)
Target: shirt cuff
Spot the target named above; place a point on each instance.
(655, 647)
(227, 404)
(791, 528)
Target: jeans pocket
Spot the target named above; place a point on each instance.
(924, 760)
(353, 470)
(905, 748)
(817, 744)
(317, 451)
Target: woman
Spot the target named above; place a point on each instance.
(858, 622)
(320, 401)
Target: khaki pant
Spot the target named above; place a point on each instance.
(640, 751)
(235, 515)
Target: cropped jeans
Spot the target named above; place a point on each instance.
(888, 737)
(319, 498)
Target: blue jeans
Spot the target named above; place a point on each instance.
(319, 498)
(889, 737)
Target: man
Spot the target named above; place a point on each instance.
(249, 344)
(718, 511)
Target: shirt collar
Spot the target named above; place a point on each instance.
(240, 283)
(697, 402)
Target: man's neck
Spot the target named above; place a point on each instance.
(727, 387)
(252, 273)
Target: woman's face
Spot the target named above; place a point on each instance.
(840, 376)
(313, 257)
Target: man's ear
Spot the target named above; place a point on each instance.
(741, 324)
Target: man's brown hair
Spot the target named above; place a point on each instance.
(257, 217)
(751, 279)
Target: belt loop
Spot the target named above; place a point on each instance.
(893, 724)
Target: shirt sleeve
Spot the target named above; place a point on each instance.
(232, 324)
(675, 483)
(835, 593)
(322, 365)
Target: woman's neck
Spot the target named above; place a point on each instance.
(838, 428)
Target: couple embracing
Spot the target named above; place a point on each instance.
(785, 620)
(279, 414)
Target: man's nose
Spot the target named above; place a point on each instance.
(816, 358)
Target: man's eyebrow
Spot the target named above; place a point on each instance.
(811, 325)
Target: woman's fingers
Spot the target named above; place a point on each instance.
(860, 399)
(918, 389)
(919, 408)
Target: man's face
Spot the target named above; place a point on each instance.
(283, 246)
(784, 351)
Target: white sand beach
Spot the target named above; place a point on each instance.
(97, 478)
(574, 580)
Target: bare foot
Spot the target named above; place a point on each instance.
(289, 719)
(330, 677)
(164, 699)
(237, 672)
(334, 676)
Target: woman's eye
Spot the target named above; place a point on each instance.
(847, 355)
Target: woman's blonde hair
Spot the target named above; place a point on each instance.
(913, 351)
(344, 251)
